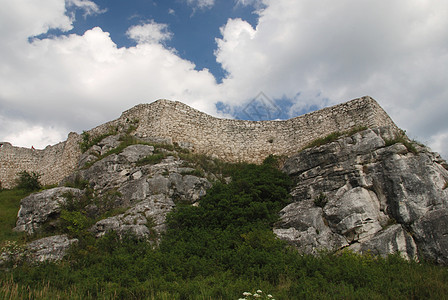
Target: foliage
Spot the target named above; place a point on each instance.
(332, 137)
(9, 207)
(78, 182)
(325, 140)
(88, 141)
(217, 250)
(28, 181)
(321, 200)
(151, 159)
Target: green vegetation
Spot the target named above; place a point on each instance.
(88, 141)
(217, 250)
(28, 181)
(403, 139)
(332, 137)
(9, 207)
(151, 159)
(321, 200)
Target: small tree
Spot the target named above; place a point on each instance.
(28, 181)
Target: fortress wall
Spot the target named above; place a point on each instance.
(251, 141)
(231, 140)
(53, 163)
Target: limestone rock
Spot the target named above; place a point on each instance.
(391, 240)
(51, 248)
(363, 186)
(431, 235)
(38, 208)
(146, 219)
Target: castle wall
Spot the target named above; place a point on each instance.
(231, 140)
(53, 163)
(252, 141)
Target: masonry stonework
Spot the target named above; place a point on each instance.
(230, 140)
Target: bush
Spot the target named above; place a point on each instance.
(28, 181)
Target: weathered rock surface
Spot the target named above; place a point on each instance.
(356, 192)
(145, 220)
(117, 181)
(39, 208)
(51, 248)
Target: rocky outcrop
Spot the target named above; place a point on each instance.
(368, 192)
(119, 180)
(40, 208)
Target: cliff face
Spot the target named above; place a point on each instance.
(368, 192)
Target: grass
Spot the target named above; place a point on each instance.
(151, 159)
(9, 207)
(332, 137)
(403, 139)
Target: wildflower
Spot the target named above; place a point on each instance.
(259, 291)
(256, 295)
(247, 294)
(269, 296)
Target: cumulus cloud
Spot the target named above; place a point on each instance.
(321, 52)
(314, 53)
(151, 32)
(75, 82)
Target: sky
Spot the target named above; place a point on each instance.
(70, 65)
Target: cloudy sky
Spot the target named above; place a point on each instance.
(70, 65)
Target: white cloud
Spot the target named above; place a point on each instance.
(201, 4)
(150, 33)
(315, 53)
(75, 82)
(327, 52)
(89, 7)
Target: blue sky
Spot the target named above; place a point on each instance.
(193, 27)
(70, 65)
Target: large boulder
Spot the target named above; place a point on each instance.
(39, 208)
(368, 194)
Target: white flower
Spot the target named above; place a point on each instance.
(247, 294)
(259, 291)
(257, 296)
(269, 296)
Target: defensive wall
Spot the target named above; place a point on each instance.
(227, 139)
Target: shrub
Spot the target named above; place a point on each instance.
(151, 159)
(321, 200)
(28, 181)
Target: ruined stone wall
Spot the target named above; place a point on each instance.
(251, 141)
(53, 163)
(231, 140)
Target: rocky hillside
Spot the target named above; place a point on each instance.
(372, 190)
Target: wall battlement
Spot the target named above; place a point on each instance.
(231, 140)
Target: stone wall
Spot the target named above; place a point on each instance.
(231, 140)
(53, 163)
